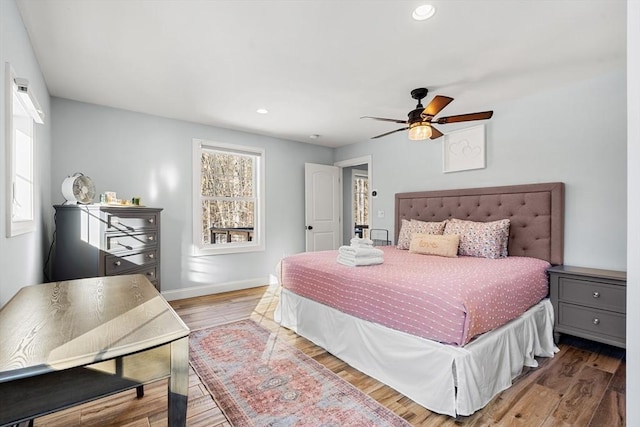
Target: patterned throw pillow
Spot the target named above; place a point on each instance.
(408, 228)
(429, 244)
(480, 239)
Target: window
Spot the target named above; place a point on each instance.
(23, 111)
(228, 189)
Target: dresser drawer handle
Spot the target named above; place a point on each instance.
(596, 321)
(596, 294)
(151, 220)
(117, 263)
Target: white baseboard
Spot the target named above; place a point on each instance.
(214, 288)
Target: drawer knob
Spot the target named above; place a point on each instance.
(117, 263)
(596, 294)
(151, 221)
(150, 273)
(150, 238)
(151, 256)
(596, 321)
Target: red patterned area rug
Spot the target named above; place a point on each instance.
(260, 380)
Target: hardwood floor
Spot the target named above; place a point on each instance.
(583, 385)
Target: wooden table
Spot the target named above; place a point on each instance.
(66, 343)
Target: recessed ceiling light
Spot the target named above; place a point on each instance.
(262, 111)
(423, 12)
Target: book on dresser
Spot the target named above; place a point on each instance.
(105, 240)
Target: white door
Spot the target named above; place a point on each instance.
(322, 206)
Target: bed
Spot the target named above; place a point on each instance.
(453, 372)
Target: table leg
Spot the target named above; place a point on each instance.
(179, 383)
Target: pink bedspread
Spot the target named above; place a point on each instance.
(450, 300)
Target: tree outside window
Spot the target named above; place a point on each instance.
(229, 193)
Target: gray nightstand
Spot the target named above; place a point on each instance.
(589, 303)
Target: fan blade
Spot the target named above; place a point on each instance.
(389, 133)
(435, 133)
(436, 105)
(465, 117)
(383, 119)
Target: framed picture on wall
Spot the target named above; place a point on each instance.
(464, 150)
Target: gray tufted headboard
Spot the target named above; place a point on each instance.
(536, 212)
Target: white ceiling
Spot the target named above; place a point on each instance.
(316, 65)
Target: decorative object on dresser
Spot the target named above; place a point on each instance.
(78, 188)
(98, 240)
(589, 303)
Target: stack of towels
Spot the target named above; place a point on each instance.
(360, 252)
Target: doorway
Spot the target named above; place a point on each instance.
(356, 177)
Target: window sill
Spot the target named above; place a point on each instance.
(226, 248)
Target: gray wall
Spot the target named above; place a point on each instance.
(22, 257)
(137, 154)
(575, 134)
(633, 272)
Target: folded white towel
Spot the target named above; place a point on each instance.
(357, 262)
(362, 243)
(359, 252)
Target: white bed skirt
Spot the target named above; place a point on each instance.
(442, 378)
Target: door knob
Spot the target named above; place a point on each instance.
(309, 227)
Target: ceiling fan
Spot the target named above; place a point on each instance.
(421, 119)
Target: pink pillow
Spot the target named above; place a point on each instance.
(408, 228)
(480, 239)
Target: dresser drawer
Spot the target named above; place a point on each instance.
(592, 321)
(593, 294)
(127, 221)
(150, 272)
(130, 241)
(115, 265)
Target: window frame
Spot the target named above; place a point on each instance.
(258, 241)
(28, 225)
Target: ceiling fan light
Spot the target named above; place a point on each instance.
(420, 132)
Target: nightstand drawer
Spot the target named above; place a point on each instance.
(593, 294)
(593, 321)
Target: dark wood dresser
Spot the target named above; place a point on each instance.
(103, 240)
(589, 303)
